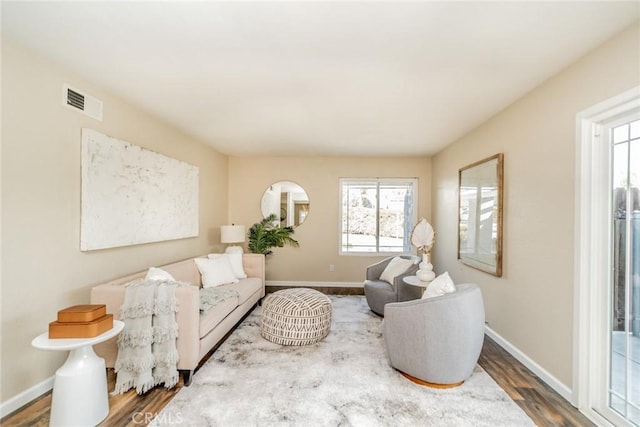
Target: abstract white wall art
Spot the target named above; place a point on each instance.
(131, 195)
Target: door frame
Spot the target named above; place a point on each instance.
(591, 184)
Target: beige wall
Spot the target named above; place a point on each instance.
(318, 235)
(43, 269)
(531, 306)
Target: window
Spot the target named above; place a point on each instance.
(377, 215)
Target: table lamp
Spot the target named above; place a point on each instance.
(232, 234)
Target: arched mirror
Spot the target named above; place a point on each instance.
(288, 201)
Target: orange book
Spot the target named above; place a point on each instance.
(81, 329)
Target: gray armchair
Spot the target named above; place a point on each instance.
(436, 340)
(378, 292)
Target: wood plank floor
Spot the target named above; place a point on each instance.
(543, 405)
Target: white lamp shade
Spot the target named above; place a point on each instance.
(232, 233)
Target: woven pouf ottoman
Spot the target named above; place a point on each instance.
(297, 316)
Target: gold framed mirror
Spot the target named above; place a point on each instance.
(288, 201)
(480, 195)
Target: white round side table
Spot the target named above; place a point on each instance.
(414, 281)
(80, 396)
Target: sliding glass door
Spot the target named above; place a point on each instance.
(623, 382)
(607, 310)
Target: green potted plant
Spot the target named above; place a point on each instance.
(265, 235)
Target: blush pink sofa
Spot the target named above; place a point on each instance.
(198, 333)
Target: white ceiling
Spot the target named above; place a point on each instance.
(318, 78)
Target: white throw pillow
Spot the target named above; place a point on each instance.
(158, 274)
(396, 267)
(235, 258)
(215, 272)
(439, 286)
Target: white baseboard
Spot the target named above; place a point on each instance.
(21, 399)
(315, 284)
(545, 376)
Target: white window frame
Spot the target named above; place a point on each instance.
(378, 181)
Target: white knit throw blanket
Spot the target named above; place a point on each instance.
(147, 353)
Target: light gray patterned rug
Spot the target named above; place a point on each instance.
(344, 380)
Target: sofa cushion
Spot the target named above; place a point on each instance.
(215, 272)
(246, 288)
(441, 285)
(396, 267)
(184, 271)
(235, 259)
(210, 318)
(155, 273)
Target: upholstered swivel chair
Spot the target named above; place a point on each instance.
(436, 341)
(379, 292)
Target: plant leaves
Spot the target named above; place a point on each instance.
(265, 235)
(423, 236)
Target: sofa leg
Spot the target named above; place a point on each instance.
(187, 376)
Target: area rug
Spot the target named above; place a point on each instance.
(344, 380)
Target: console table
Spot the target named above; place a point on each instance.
(80, 395)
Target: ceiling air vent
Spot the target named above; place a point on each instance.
(82, 102)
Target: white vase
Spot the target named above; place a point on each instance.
(425, 273)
